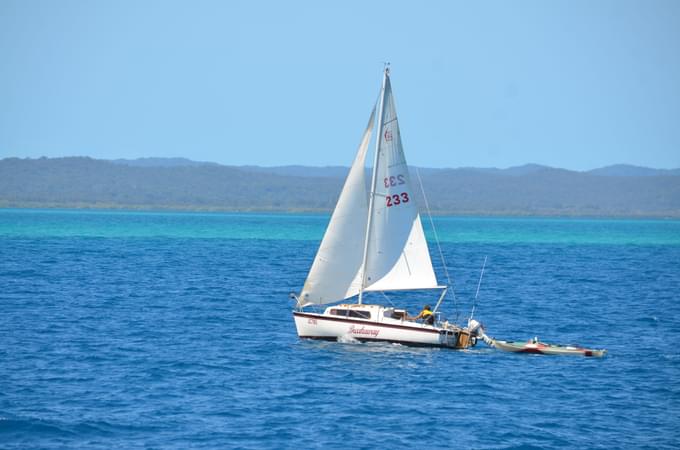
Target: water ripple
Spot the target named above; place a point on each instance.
(162, 342)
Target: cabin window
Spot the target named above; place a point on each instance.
(399, 315)
(351, 313)
(360, 314)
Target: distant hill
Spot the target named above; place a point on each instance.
(554, 192)
(526, 169)
(86, 182)
(619, 170)
(176, 183)
(299, 171)
(162, 162)
(626, 170)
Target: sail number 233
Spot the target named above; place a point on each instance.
(395, 199)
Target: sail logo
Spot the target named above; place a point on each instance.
(363, 331)
(388, 135)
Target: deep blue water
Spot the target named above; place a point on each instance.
(121, 339)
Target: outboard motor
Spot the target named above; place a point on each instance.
(475, 328)
(477, 331)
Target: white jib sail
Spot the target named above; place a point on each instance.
(397, 257)
(335, 272)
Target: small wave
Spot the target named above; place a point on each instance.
(18, 427)
(347, 339)
(29, 429)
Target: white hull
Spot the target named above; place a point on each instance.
(327, 327)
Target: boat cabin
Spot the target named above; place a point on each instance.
(375, 313)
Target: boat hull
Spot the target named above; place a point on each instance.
(540, 348)
(322, 326)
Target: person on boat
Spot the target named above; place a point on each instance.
(426, 314)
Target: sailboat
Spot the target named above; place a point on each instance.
(375, 242)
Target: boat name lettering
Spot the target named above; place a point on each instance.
(363, 331)
(397, 199)
(311, 321)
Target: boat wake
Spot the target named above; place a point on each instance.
(348, 339)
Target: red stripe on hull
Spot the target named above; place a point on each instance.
(365, 322)
(390, 341)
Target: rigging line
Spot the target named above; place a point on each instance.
(439, 247)
(388, 299)
(474, 303)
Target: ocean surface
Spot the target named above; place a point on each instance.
(174, 330)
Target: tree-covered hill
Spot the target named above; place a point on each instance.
(186, 185)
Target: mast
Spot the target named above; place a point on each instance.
(373, 181)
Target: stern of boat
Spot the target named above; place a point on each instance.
(465, 340)
(457, 338)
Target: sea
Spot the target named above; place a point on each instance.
(169, 330)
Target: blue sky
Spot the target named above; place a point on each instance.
(573, 84)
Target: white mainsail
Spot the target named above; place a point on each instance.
(396, 253)
(335, 272)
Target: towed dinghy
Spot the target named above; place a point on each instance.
(534, 346)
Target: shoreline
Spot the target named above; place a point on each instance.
(179, 209)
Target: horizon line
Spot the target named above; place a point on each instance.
(183, 158)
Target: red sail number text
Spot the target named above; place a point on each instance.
(397, 199)
(394, 180)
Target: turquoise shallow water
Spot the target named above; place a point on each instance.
(119, 224)
(160, 330)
